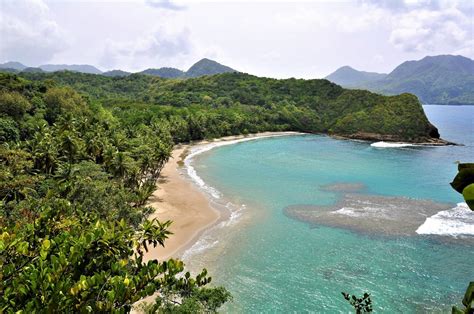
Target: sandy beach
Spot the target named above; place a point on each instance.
(180, 200)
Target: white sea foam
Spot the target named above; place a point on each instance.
(390, 145)
(372, 210)
(346, 211)
(456, 221)
(235, 214)
(200, 246)
(207, 240)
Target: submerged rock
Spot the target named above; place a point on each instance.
(385, 215)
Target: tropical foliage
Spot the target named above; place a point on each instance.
(74, 180)
(360, 305)
(467, 301)
(236, 103)
(464, 183)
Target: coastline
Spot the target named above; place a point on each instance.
(219, 256)
(375, 137)
(181, 199)
(181, 196)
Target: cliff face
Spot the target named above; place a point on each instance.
(388, 118)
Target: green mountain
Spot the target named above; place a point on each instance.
(9, 70)
(164, 72)
(13, 65)
(116, 73)
(83, 68)
(444, 79)
(435, 80)
(235, 103)
(207, 67)
(32, 70)
(201, 68)
(349, 77)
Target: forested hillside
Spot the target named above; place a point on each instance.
(435, 80)
(445, 79)
(350, 77)
(234, 103)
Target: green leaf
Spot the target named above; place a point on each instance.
(468, 194)
(464, 177)
(111, 296)
(469, 296)
(46, 245)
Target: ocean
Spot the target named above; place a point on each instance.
(306, 217)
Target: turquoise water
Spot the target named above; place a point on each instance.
(273, 263)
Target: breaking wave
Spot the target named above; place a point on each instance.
(383, 144)
(454, 222)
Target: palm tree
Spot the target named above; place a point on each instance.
(71, 146)
(94, 146)
(122, 165)
(44, 150)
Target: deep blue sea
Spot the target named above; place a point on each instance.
(273, 261)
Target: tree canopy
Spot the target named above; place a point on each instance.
(74, 181)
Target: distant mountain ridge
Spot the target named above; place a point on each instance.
(207, 67)
(444, 79)
(164, 72)
(350, 77)
(116, 73)
(13, 65)
(202, 67)
(83, 68)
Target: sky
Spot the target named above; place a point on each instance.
(281, 39)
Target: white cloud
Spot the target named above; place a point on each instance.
(155, 48)
(28, 33)
(403, 5)
(432, 31)
(360, 21)
(379, 59)
(256, 36)
(164, 4)
(349, 21)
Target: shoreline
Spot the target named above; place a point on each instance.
(181, 198)
(373, 137)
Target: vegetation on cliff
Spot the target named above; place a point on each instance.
(235, 103)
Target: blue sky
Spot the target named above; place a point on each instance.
(307, 39)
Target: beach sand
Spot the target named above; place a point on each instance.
(180, 200)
